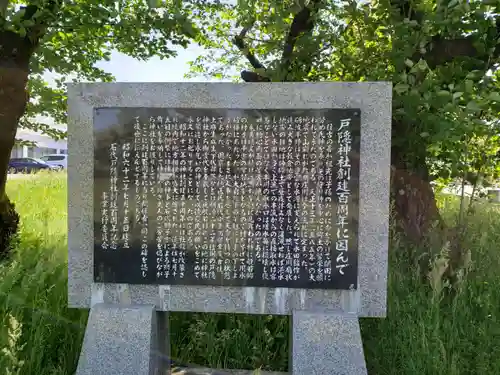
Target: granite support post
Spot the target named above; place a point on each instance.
(122, 340)
(326, 344)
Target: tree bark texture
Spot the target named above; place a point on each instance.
(15, 54)
(16, 51)
(414, 203)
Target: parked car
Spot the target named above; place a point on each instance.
(56, 160)
(28, 165)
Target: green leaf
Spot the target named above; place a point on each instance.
(189, 29)
(401, 88)
(474, 75)
(22, 31)
(469, 86)
(28, 23)
(154, 3)
(473, 106)
(494, 96)
(409, 63)
(450, 107)
(422, 65)
(262, 72)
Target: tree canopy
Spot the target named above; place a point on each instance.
(70, 37)
(442, 57)
(67, 38)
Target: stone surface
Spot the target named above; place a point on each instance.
(326, 344)
(374, 100)
(121, 340)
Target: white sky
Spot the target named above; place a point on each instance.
(128, 69)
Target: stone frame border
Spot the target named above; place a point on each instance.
(374, 99)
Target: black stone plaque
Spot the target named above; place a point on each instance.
(228, 197)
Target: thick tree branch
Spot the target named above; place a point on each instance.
(302, 23)
(17, 49)
(240, 43)
(246, 75)
(446, 50)
(42, 14)
(249, 76)
(443, 50)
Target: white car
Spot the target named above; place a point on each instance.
(56, 160)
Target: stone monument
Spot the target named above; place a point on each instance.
(260, 198)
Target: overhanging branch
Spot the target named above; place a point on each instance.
(444, 50)
(246, 75)
(239, 41)
(302, 23)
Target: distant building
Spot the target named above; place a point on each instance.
(44, 145)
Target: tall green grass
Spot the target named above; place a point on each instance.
(432, 331)
(427, 331)
(34, 282)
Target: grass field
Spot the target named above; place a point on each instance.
(425, 332)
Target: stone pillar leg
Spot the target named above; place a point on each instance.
(326, 344)
(122, 340)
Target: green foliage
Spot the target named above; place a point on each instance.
(442, 106)
(81, 33)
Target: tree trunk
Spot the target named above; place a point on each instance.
(415, 205)
(14, 70)
(415, 210)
